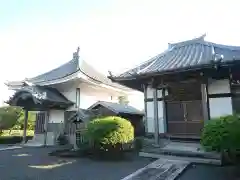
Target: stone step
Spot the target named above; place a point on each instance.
(182, 158)
(161, 169)
(184, 152)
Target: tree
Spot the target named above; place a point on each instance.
(123, 100)
(31, 121)
(13, 118)
(9, 116)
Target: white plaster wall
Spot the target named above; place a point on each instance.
(159, 93)
(218, 86)
(220, 106)
(149, 92)
(56, 116)
(150, 117)
(51, 139)
(160, 117)
(87, 98)
(70, 94)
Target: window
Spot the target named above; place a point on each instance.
(77, 102)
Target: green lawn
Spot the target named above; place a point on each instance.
(17, 133)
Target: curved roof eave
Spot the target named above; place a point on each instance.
(182, 56)
(69, 71)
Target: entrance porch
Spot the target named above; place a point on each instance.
(181, 109)
(184, 112)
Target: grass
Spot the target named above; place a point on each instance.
(17, 133)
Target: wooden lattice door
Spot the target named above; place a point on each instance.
(184, 118)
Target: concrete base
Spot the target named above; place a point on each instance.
(38, 140)
(181, 158)
(72, 140)
(192, 152)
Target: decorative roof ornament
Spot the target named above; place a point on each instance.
(202, 37)
(76, 54)
(26, 82)
(110, 73)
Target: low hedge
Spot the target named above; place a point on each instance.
(13, 139)
(222, 134)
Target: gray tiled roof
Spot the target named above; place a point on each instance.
(57, 73)
(73, 66)
(82, 115)
(41, 95)
(117, 108)
(186, 55)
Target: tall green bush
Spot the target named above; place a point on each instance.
(13, 118)
(9, 116)
(221, 134)
(110, 132)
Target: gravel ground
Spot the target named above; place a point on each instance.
(34, 163)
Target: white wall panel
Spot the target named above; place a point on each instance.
(160, 117)
(220, 106)
(56, 116)
(218, 86)
(150, 117)
(149, 92)
(159, 93)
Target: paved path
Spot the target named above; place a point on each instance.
(35, 164)
(161, 169)
(208, 172)
(6, 147)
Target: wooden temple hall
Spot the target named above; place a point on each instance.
(186, 86)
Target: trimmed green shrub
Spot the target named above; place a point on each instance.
(110, 133)
(222, 134)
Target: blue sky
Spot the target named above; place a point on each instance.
(36, 36)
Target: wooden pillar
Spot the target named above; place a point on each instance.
(145, 108)
(164, 109)
(46, 127)
(205, 102)
(25, 126)
(156, 122)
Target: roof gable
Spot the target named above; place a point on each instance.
(117, 108)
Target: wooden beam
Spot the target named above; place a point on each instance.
(25, 126)
(156, 122)
(205, 102)
(145, 107)
(164, 109)
(46, 127)
(230, 86)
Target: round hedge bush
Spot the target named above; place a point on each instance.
(110, 132)
(221, 134)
